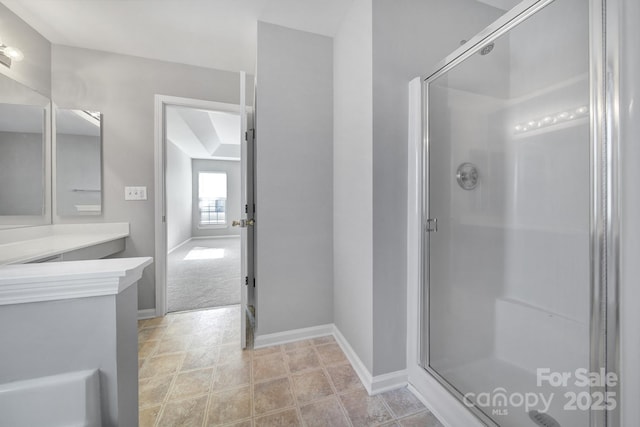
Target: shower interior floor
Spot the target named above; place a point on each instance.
(487, 375)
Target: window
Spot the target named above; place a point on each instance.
(212, 198)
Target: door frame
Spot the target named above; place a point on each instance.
(160, 165)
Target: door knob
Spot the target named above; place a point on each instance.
(243, 223)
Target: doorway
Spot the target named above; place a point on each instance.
(201, 186)
(203, 191)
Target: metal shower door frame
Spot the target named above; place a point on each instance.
(604, 195)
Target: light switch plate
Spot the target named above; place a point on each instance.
(135, 193)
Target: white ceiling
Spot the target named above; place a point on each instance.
(203, 134)
(218, 34)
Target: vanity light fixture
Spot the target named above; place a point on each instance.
(9, 54)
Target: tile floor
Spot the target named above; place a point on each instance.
(193, 373)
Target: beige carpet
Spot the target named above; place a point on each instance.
(204, 273)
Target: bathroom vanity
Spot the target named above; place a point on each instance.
(62, 242)
(69, 317)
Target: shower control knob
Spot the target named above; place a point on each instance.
(467, 176)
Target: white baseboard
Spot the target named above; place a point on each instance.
(363, 373)
(390, 381)
(223, 236)
(374, 385)
(201, 238)
(179, 245)
(147, 313)
(293, 335)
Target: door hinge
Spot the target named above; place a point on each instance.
(246, 208)
(254, 282)
(246, 280)
(246, 134)
(432, 225)
(254, 208)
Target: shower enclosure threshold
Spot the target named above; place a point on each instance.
(498, 376)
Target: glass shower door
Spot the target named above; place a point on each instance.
(507, 277)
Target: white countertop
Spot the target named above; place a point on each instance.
(25, 283)
(22, 245)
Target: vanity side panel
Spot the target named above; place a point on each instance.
(127, 348)
(55, 337)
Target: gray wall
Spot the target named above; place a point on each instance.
(294, 180)
(34, 70)
(629, 33)
(409, 38)
(178, 197)
(233, 196)
(123, 88)
(376, 55)
(352, 180)
(78, 166)
(21, 173)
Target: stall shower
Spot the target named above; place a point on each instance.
(511, 196)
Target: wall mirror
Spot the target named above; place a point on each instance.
(78, 162)
(25, 184)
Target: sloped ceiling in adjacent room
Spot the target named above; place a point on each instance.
(203, 134)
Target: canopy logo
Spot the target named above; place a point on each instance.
(499, 400)
(584, 391)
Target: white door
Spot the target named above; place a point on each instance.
(247, 209)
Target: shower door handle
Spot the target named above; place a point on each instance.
(432, 225)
